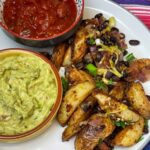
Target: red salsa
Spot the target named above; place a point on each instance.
(39, 18)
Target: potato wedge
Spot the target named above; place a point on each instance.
(118, 91)
(83, 111)
(98, 127)
(67, 58)
(73, 98)
(138, 100)
(130, 134)
(58, 54)
(139, 70)
(76, 76)
(112, 107)
(79, 46)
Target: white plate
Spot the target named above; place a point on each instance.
(133, 28)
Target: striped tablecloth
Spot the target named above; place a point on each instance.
(141, 9)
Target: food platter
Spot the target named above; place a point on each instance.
(133, 29)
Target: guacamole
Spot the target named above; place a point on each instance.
(28, 90)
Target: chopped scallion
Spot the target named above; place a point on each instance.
(92, 69)
(130, 57)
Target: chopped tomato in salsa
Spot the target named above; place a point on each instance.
(39, 18)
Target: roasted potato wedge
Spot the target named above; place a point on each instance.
(83, 111)
(130, 134)
(118, 91)
(79, 45)
(98, 127)
(76, 76)
(112, 107)
(73, 98)
(139, 70)
(58, 54)
(138, 100)
(67, 58)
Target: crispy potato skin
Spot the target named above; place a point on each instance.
(83, 111)
(112, 106)
(67, 57)
(76, 76)
(139, 70)
(118, 91)
(58, 54)
(130, 134)
(98, 127)
(138, 100)
(73, 98)
(79, 45)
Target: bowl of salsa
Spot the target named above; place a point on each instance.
(40, 23)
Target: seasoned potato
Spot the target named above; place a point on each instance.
(118, 91)
(97, 128)
(83, 111)
(138, 100)
(67, 58)
(130, 134)
(80, 45)
(73, 98)
(76, 76)
(58, 54)
(72, 130)
(112, 107)
(139, 70)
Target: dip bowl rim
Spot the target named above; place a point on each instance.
(53, 111)
(77, 20)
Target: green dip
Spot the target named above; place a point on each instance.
(28, 90)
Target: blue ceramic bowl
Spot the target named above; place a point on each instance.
(45, 42)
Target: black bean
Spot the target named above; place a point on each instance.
(115, 29)
(113, 40)
(98, 15)
(103, 25)
(134, 42)
(108, 75)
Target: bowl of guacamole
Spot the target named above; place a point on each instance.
(30, 94)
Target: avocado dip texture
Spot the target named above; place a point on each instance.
(28, 90)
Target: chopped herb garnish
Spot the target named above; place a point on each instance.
(100, 141)
(101, 85)
(110, 82)
(65, 85)
(140, 139)
(120, 124)
(91, 41)
(130, 57)
(92, 69)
